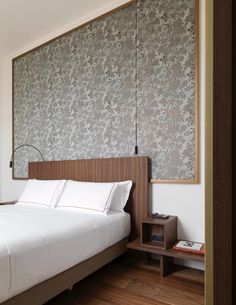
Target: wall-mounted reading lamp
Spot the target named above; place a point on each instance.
(20, 146)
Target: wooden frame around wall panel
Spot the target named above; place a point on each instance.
(197, 107)
(196, 180)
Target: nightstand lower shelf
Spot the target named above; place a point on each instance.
(166, 256)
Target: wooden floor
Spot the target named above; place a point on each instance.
(130, 282)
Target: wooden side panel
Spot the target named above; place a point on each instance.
(104, 170)
(222, 154)
(171, 233)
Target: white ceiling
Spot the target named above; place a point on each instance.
(25, 21)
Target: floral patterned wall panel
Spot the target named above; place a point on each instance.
(75, 97)
(166, 88)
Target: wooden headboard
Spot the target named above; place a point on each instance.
(104, 170)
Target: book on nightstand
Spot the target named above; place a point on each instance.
(190, 247)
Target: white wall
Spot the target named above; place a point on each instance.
(9, 189)
(184, 201)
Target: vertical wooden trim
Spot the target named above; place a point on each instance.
(222, 152)
(233, 174)
(209, 300)
(197, 92)
(233, 166)
(234, 210)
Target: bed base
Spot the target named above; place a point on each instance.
(43, 292)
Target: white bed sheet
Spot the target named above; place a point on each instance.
(37, 243)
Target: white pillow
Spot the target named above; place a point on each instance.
(45, 192)
(121, 195)
(87, 196)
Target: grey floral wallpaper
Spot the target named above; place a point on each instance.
(76, 96)
(166, 90)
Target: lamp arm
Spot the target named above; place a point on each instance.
(24, 145)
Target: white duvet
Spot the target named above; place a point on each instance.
(37, 243)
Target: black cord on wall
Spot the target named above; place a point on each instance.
(136, 80)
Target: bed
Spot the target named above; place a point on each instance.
(42, 260)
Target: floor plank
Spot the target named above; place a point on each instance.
(129, 282)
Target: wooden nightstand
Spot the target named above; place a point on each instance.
(158, 236)
(7, 202)
(159, 233)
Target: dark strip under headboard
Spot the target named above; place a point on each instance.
(104, 170)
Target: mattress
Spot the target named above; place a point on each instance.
(37, 243)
